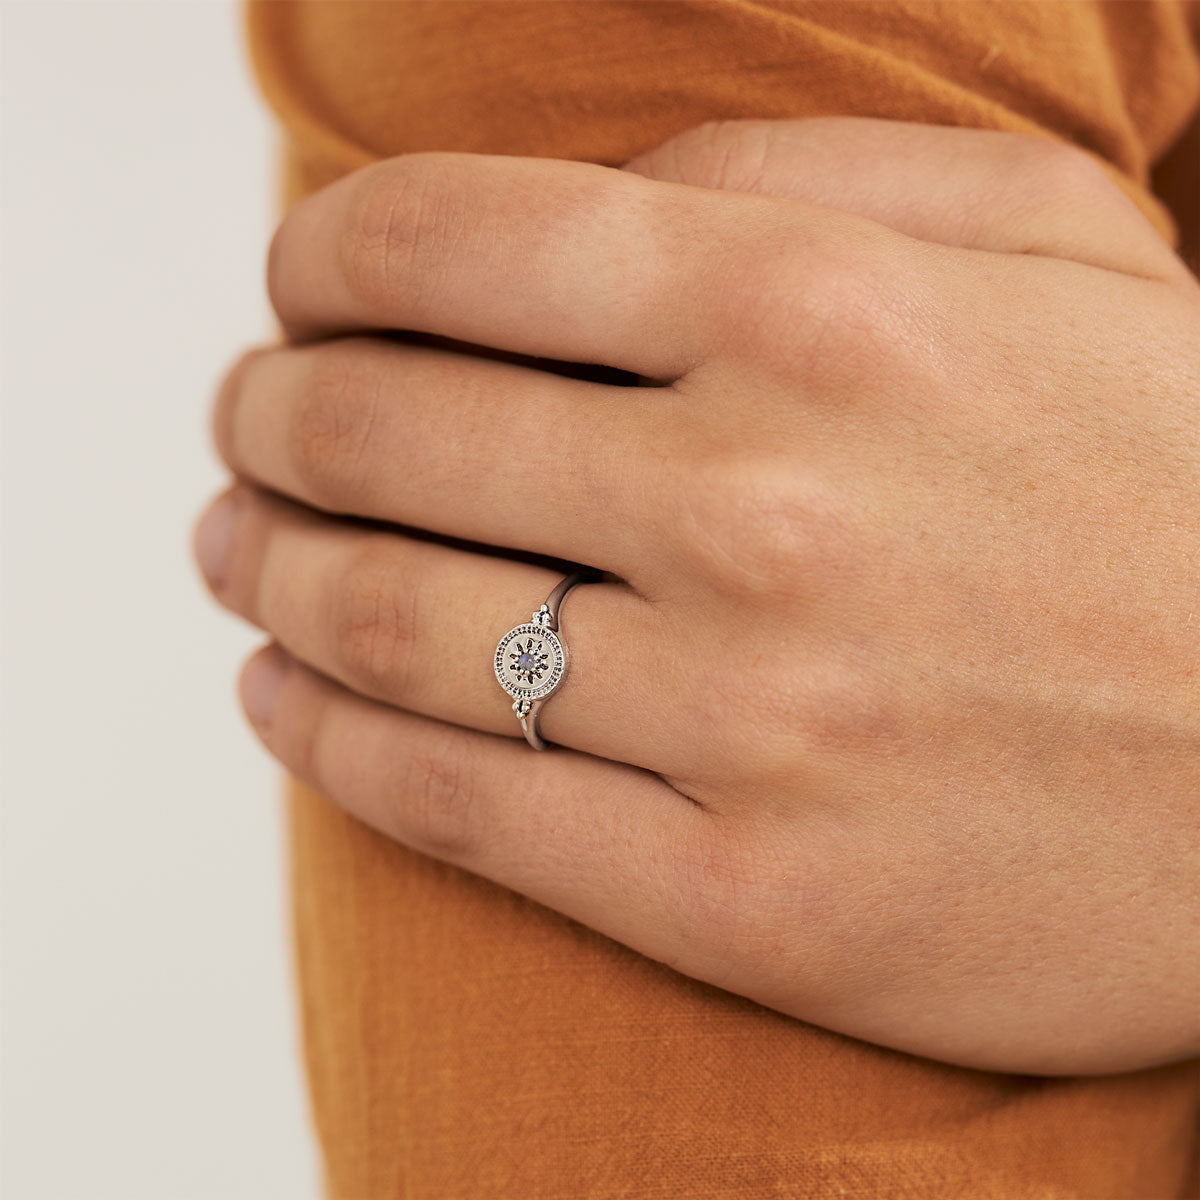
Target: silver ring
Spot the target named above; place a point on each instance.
(531, 659)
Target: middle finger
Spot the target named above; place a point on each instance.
(454, 443)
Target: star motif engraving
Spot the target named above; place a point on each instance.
(529, 662)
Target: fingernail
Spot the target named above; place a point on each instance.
(214, 535)
(260, 686)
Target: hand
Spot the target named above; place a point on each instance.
(888, 714)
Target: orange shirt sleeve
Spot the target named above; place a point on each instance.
(462, 1041)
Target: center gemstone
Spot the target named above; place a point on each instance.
(525, 662)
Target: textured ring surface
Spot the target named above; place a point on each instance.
(531, 659)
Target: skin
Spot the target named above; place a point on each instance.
(886, 714)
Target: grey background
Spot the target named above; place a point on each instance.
(148, 1024)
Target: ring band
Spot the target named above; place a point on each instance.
(531, 659)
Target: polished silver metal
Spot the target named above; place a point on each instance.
(531, 659)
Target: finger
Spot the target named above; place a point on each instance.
(452, 443)
(604, 843)
(416, 623)
(564, 260)
(977, 188)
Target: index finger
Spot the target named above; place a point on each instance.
(557, 259)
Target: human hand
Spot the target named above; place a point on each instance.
(893, 723)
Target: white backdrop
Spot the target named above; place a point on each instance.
(149, 1033)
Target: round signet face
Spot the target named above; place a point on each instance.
(530, 662)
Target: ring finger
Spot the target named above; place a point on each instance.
(415, 623)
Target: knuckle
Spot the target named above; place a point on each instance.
(728, 154)
(847, 709)
(1060, 172)
(753, 528)
(852, 306)
(374, 616)
(834, 306)
(797, 719)
(396, 208)
(439, 795)
(331, 426)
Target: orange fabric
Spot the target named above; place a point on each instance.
(462, 1041)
